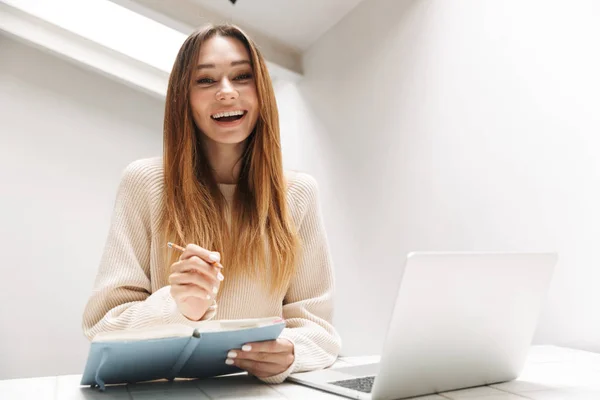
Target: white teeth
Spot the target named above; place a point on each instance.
(227, 114)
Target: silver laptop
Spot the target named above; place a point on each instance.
(460, 320)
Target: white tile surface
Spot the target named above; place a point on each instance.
(469, 394)
(541, 354)
(565, 394)
(558, 375)
(238, 387)
(294, 391)
(174, 395)
(501, 396)
(29, 388)
(545, 354)
(550, 374)
(68, 388)
(177, 390)
(519, 386)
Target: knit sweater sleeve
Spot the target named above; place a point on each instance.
(308, 304)
(122, 296)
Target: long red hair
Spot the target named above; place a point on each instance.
(262, 243)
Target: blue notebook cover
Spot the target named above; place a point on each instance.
(170, 352)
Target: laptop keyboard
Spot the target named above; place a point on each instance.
(364, 384)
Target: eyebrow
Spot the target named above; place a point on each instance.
(233, 64)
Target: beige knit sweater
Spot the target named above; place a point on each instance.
(131, 288)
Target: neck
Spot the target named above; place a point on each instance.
(225, 160)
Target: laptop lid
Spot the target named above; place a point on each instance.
(462, 320)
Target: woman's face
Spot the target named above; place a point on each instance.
(223, 91)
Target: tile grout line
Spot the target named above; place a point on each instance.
(514, 394)
(56, 388)
(273, 389)
(129, 393)
(498, 389)
(206, 394)
(281, 393)
(197, 385)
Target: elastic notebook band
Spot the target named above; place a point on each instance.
(185, 354)
(98, 379)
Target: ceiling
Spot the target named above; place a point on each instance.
(143, 59)
(296, 23)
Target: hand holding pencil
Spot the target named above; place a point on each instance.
(195, 280)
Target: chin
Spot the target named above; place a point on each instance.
(228, 138)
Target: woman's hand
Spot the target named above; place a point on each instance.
(263, 359)
(195, 281)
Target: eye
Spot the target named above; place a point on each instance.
(243, 77)
(205, 81)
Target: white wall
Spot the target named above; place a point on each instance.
(460, 125)
(65, 136)
(306, 149)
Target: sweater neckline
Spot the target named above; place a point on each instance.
(228, 189)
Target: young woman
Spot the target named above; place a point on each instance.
(254, 240)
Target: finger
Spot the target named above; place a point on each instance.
(195, 250)
(189, 278)
(196, 264)
(269, 346)
(283, 359)
(182, 292)
(259, 369)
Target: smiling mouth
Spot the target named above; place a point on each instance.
(228, 116)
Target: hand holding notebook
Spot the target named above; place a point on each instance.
(263, 359)
(173, 351)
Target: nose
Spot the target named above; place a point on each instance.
(226, 91)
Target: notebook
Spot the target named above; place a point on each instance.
(172, 351)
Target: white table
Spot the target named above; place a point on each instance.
(551, 373)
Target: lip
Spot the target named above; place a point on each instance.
(227, 110)
(230, 124)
